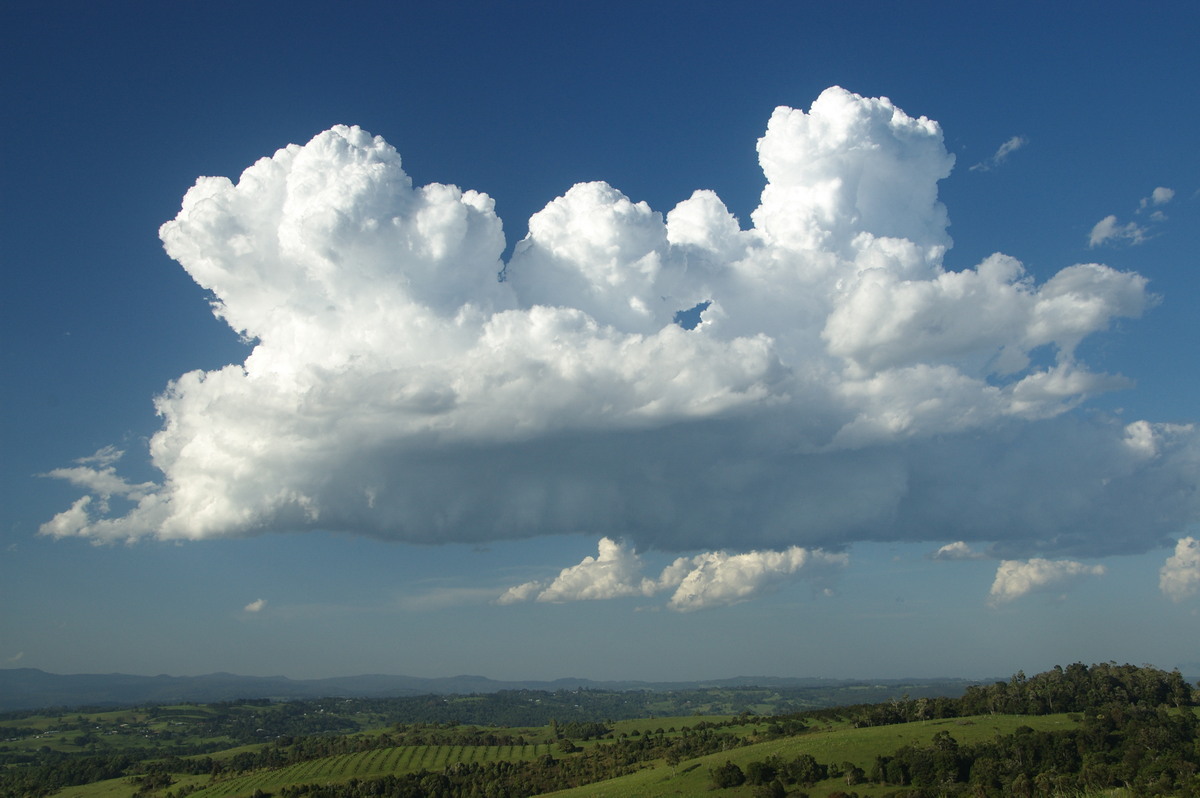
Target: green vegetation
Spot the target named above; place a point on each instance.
(1078, 731)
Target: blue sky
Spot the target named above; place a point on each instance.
(387, 461)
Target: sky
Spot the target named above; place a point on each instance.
(660, 341)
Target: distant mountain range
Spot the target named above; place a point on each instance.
(30, 688)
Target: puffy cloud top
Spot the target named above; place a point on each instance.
(851, 165)
(841, 385)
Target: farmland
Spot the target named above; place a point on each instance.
(1116, 727)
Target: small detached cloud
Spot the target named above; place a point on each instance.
(959, 550)
(1001, 155)
(706, 580)
(255, 606)
(1160, 196)
(1111, 231)
(1015, 578)
(1179, 577)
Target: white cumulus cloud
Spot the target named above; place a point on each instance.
(255, 606)
(615, 571)
(705, 580)
(1015, 578)
(718, 578)
(842, 383)
(1179, 577)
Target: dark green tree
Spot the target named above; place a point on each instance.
(728, 775)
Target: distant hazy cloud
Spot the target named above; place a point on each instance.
(1109, 229)
(842, 384)
(1180, 574)
(103, 457)
(439, 598)
(706, 580)
(255, 606)
(1015, 578)
(1012, 145)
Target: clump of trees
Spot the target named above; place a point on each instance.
(1077, 688)
(1150, 750)
(1136, 730)
(1072, 689)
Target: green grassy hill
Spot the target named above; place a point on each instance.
(835, 744)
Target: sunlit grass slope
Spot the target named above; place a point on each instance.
(835, 745)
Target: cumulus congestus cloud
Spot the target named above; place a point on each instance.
(842, 384)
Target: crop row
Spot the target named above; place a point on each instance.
(368, 764)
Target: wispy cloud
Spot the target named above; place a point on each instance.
(444, 597)
(1110, 230)
(255, 606)
(97, 474)
(1000, 155)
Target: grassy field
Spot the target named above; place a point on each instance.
(836, 745)
(833, 744)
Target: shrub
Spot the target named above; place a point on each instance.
(728, 775)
